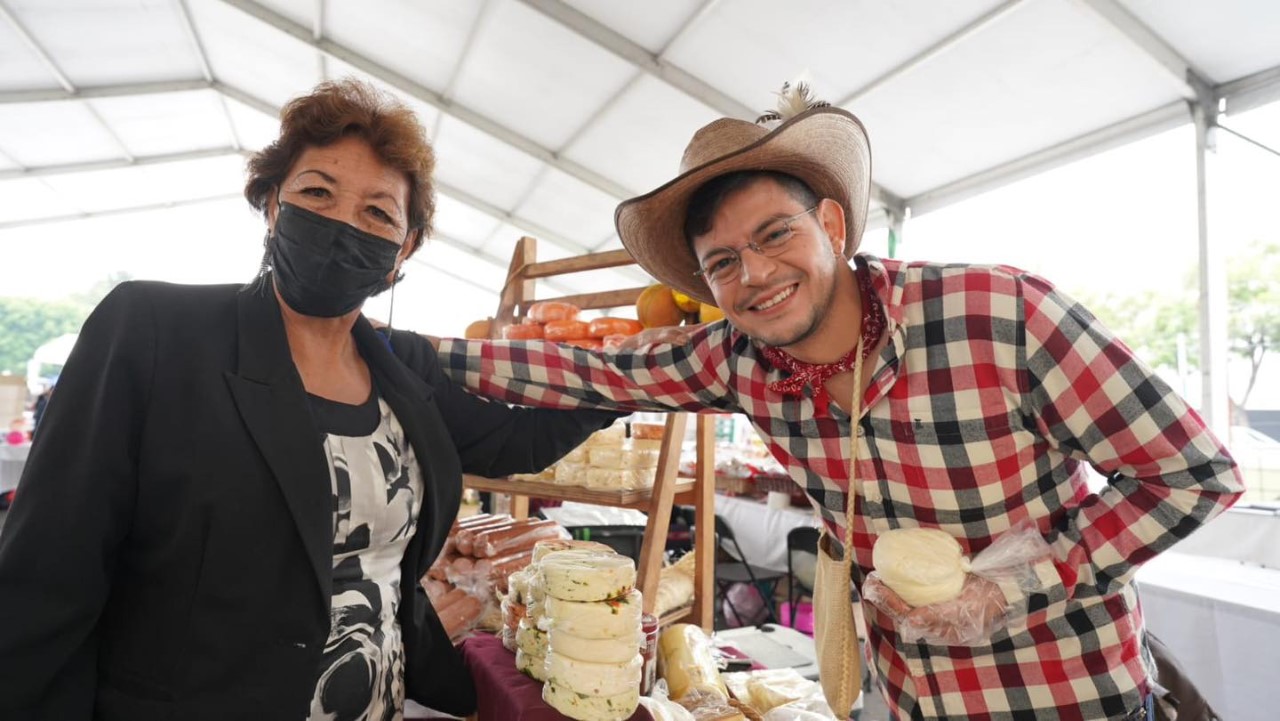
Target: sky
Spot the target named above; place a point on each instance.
(1118, 221)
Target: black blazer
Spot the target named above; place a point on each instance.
(169, 552)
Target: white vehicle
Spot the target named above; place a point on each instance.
(1259, 457)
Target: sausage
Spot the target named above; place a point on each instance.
(462, 564)
(464, 538)
(460, 616)
(442, 562)
(436, 589)
(507, 540)
(476, 520)
(549, 310)
(562, 330)
(483, 533)
(449, 599)
(523, 332)
(601, 327)
(500, 568)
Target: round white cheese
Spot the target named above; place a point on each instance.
(594, 650)
(530, 665)
(615, 618)
(584, 575)
(594, 679)
(922, 565)
(591, 708)
(530, 639)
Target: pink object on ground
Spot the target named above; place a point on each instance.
(804, 617)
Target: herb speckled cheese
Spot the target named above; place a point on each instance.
(594, 650)
(533, 666)
(583, 575)
(530, 639)
(591, 708)
(594, 679)
(614, 618)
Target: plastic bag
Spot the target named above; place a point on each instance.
(743, 606)
(661, 707)
(1005, 568)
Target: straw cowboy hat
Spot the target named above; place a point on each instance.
(823, 146)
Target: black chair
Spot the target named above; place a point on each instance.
(739, 570)
(803, 540)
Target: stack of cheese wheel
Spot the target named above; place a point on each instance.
(521, 612)
(591, 613)
(608, 461)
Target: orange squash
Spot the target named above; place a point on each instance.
(479, 329)
(656, 307)
(708, 313)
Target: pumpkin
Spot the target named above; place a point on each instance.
(708, 313)
(656, 307)
(479, 329)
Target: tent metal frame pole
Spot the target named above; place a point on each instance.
(1215, 403)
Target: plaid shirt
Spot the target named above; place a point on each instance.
(991, 395)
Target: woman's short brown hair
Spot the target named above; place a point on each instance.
(346, 108)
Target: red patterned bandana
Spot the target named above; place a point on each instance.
(816, 375)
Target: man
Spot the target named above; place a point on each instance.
(985, 393)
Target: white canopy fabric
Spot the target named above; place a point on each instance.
(546, 113)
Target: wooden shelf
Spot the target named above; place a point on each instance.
(639, 498)
(668, 487)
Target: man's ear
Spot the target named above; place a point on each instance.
(831, 215)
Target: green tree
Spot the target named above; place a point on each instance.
(1152, 323)
(29, 323)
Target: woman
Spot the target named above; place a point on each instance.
(237, 489)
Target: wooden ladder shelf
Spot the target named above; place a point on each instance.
(668, 488)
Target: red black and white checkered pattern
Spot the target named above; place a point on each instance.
(992, 393)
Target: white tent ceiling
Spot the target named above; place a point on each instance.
(545, 113)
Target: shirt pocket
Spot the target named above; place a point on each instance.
(949, 469)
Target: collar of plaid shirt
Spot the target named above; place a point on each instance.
(816, 375)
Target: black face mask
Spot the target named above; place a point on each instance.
(324, 267)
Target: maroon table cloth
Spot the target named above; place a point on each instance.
(505, 694)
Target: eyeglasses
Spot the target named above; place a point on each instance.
(724, 265)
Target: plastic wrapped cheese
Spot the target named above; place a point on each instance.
(591, 708)
(685, 661)
(593, 650)
(614, 618)
(570, 474)
(545, 548)
(594, 679)
(613, 436)
(584, 575)
(530, 665)
(530, 639)
(617, 479)
(922, 565)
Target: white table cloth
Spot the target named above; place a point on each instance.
(1221, 619)
(761, 531)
